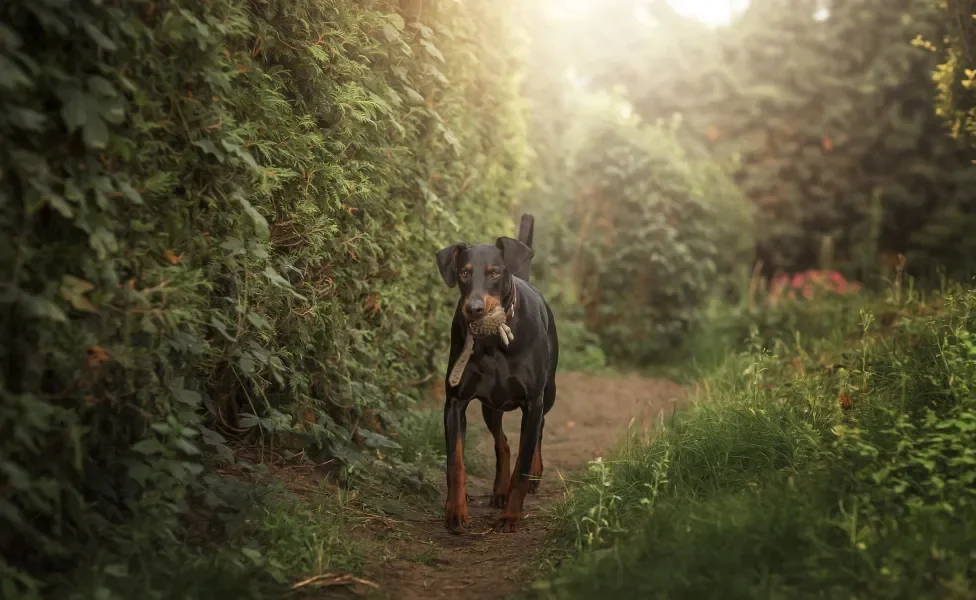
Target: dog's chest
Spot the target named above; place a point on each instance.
(492, 376)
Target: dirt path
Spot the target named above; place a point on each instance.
(589, 417)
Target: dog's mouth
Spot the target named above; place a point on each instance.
(488, 324)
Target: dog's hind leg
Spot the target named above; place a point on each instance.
(503, 455)
(532, 417)
(535, 474)
(548, 399)
(456, 507)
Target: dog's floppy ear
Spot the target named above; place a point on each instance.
(517, 256)
(447, 263)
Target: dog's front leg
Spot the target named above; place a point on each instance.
(456, 507)
(493, 419)
(519, 487)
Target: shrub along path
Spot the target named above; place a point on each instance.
(590, 416)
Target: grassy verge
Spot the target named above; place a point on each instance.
(836, 467)
(263, 526)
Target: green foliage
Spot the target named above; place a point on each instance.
(955, 77)
(276, 538)
(217, 222)
(824, 112)
(843, 469)
(648, 234)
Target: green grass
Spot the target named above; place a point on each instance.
(253, 538)
(768, 488)
(262, 540)
(250, 537)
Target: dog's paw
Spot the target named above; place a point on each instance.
(498, 500)
(507, 522)
(534, 486)
(456, 517)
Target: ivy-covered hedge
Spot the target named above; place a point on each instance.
(218, 219)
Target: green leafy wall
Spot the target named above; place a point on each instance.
(218, 220)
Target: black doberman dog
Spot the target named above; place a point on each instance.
(503, 375)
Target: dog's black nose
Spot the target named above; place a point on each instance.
(475, 308)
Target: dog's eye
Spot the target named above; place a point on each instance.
(463, 275)
(495, 274)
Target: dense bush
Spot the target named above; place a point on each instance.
(218, 219)
(648, 232)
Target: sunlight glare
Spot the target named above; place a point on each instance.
(570, 9)
(711, 12)
(714, 13)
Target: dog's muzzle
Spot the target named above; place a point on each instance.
(488, 324)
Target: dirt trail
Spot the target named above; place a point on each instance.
(588, 418)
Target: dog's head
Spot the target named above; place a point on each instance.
(482, 272)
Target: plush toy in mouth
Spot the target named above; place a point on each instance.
(491, 324)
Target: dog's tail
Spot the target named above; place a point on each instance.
(525, 234)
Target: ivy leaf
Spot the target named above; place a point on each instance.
(74, 109)
(425, 31)
(118, 570)
(148, 446)
(220, 327)
(240, 152)
(112, 111)
(11, 76)
(103, 242)
(248, 421)
(43, 308)
(74, 289)
(347, 455)
(390, 33)
(258, 321)
(396, 20)
(98, 37)
(401, 73)
(187, 448)
(414, 96)
(95, 133)
(209, 147)
(437, 74)
(28, 119)
(260, 223)
(432, 50)
(247, 364)
(140, 472)
(131, 193)
(102, 86)
(275, 278)
(188, 397)
(377, 440)
(211, 437)
(17, 477)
